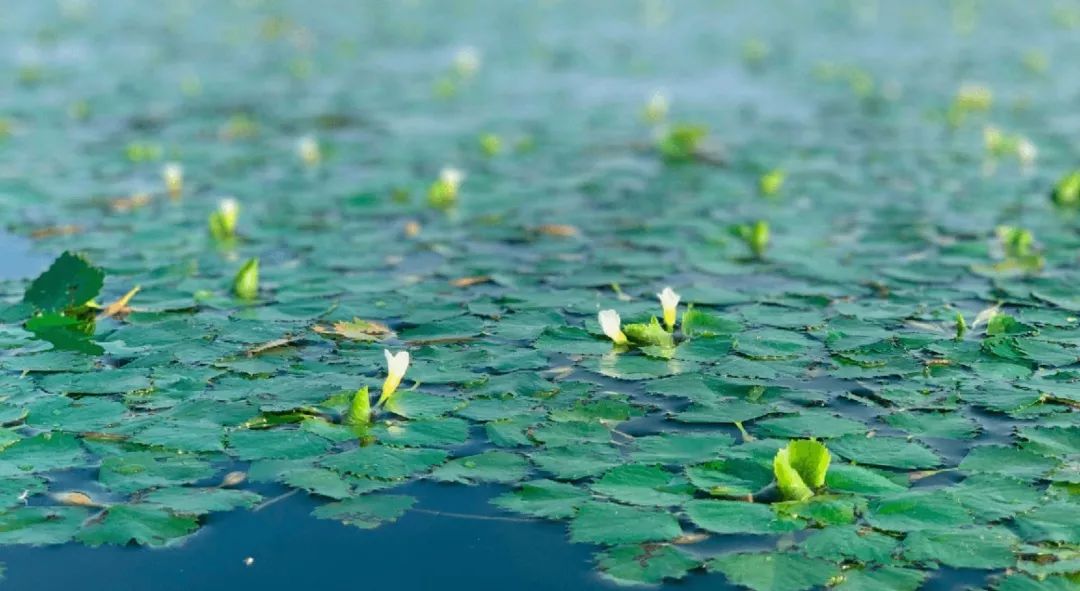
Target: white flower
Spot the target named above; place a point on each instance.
(229, 209)
(656, 109)
(308, 149)
(611, 324)
(173, 175)
(396, 366)
(669, 301)
(451, 177)
(1026, 152)
(444, 191)
(223, 221)
(467, 61)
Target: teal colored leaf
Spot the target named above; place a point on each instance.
(145, 525)
(69, 283)
(918, 510)
(367, 511)
(543, 498)
(200, 501)
(489, 466)
(639, 484)
(886, 577)
(983, 548)
(134, 471)
(612, 524)
(739, 517)
(648, 564)
(774, 571)
(41, 526)
(386, 463)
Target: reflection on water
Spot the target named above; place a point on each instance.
(17, 259)
(438, 546)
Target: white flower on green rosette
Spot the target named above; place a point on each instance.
(1026, 152)
(451, 177)
(396, 366)
(229, 209)
(308, 149)
(656, 109)
(669, 301)
(223, 221)
(444, 192)
(467, 61)
(173, 175)
(611, 324)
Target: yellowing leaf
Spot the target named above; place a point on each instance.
(120, 306)
(357, 329)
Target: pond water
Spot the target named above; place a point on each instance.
(292, 550)
(224, 223)
(20, 261)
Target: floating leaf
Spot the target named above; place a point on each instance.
(613, 524)
(647, 564)
(69, 283)
(985, 548)
(145, 525)
(490, 466)
(731, 517)
(367, 511)
(774, 571)
(543, 498)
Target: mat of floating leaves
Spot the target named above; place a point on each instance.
(835, 310)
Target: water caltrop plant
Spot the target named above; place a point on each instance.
(656, 108)
(682, 142)
(882, 396)
(648, 333)
(1066, 192)
(173, 176)
(246, 282)
(771, 182)
(755, 235)
(396, 366)
(800, 468)
(645, 334)
(443, 193)
(223, 220)
(359, 413)
(61, 303)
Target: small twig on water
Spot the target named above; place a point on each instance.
(266, 504)
(472, 516)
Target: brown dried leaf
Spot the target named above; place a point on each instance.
(122, 204)
(50, 231)
(274, 344)
(120, 306)
(560, 230)
(233, 479)
(75, 499)
(357, 329)
(470, 281)
(690, 538)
